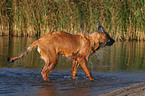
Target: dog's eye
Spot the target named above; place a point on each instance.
(109, 40)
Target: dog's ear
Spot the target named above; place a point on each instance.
(100, 28)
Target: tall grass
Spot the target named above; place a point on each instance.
(123, 19)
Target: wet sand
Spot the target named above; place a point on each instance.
(134, 90)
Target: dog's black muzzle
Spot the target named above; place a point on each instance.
(110, 42)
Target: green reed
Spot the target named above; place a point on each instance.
(123, 19)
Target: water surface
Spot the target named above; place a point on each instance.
(120, 65)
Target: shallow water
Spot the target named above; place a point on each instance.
(120, 65)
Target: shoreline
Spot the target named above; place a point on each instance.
(133, 90)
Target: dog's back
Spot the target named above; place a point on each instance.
(64, 43)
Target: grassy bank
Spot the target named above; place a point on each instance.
(123, 19)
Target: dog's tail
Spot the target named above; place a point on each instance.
(33, 45)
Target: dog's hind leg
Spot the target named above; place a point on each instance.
(49, 66)
(75, 65)
(44, 73)
(50, 57)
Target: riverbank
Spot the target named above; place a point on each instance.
(124, 20)
(134, 90)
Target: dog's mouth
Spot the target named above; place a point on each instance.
(110, 43)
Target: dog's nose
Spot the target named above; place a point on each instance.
(110, 42)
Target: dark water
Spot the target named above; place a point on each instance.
(120, 65)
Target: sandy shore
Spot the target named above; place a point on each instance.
(134, 90)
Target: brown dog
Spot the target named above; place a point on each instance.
(78, 47)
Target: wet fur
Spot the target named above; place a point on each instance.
(78, 47)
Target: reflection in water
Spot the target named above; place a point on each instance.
(56, 91)
(23, 76)
(50, 91)
(121, 56)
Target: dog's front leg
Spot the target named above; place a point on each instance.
(75, 65)
(83, 64)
